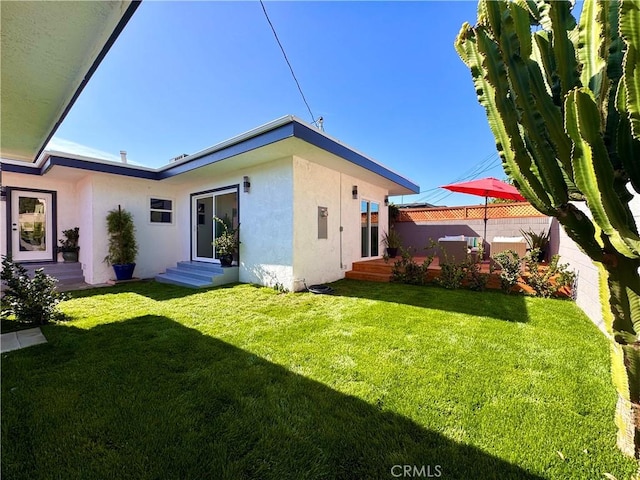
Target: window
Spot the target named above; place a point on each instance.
(161, 210)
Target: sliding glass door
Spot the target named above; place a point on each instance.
(369, 235)
(222, 204)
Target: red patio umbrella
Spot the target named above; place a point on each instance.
(486, 187)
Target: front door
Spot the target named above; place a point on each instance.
(222, 204)
(32, 226)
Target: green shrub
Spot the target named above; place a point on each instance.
(29, 300)
(509, 262)
(407, 270)
(451, 275)
(547, 282)
(476, 280)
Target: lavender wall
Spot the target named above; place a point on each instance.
(417, 235)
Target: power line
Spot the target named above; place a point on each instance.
(288, 62)
(436, 194)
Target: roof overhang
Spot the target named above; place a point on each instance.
(49, 52)
(284, 137)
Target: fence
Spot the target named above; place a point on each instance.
(495, 210)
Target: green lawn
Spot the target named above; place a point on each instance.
(154, 381)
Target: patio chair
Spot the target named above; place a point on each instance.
(517, 244)
(452, 249)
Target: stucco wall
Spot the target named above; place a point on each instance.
(266, 220)
(158, 244)
(319, 260)
(588, 291)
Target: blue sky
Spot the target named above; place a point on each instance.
(384, 75)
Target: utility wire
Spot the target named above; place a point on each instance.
(288, 62)
(436, 194)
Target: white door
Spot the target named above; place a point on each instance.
(31, 226)
(222, 204)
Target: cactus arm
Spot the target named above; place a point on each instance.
(501, 113)
(628, 147)
(594, 174)
(592, 45)
(534, 123)
(557, 15)
(630, 32)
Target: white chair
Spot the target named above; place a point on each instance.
(501, 244)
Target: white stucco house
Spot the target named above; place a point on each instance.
(308, 207)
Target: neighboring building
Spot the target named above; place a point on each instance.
(308, 206)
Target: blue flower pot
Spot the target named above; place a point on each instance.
(125, 271)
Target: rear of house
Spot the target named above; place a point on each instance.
(307, 205)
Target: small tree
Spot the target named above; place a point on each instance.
(563, 102)
(122, 239)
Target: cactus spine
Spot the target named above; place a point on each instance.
(563, 102)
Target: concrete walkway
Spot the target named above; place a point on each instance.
(23, 338)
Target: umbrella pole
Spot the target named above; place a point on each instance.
(484, 236)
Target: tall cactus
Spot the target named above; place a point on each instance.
(563, 102)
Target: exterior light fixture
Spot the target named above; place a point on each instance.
(386, 200)
(246, 184)
(354, 192)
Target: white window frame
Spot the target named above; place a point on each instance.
(172, 211)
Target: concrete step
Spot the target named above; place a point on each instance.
(53, 267)
(203, 275)
(201, 267)
(65, 273)
(182, 280)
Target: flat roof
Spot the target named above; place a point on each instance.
(269, 133)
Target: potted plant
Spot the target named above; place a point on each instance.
(227, 241)
(392, 241)
(122, 243)
(539, 241)
(69, 245)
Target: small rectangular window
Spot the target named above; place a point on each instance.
(161, 210)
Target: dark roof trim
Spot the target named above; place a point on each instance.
(107, 46)
(292, 128)
(314, 137)
(54, 160)
(243, 146)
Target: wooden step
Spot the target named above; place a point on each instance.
(373, 267)
(372, 277)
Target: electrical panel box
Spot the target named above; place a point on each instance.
(323, 214)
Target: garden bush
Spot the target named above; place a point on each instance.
(29, 300)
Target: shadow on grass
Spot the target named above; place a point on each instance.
(494, 304)
(148, 288)
(150, 398)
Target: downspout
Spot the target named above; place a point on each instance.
(340, 215)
